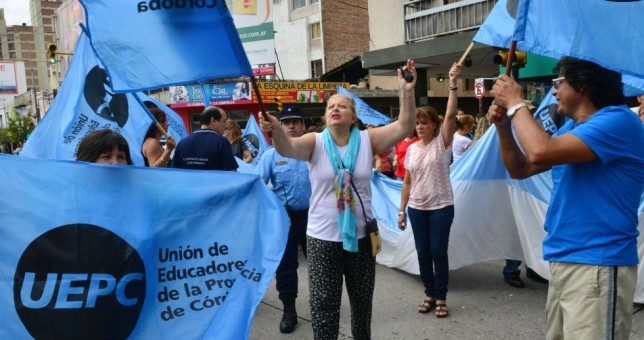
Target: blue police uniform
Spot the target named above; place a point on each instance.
(290, 180)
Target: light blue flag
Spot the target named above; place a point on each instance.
(600, 31)
(176, 126)
(86, 103)
(113, 252)
(546, 114)
(156, 43)
(385, 200)
(254, 139)
(365, 113)
(633, 86)
(243, 167)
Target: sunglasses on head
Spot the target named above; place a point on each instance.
(557, 81)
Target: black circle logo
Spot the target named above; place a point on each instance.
(98, 95)
(252, 142)
(79, 281)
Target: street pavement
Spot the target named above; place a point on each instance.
(481, 306)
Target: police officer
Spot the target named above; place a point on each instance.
(290, 180)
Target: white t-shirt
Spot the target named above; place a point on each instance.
(428, 166)
(459, 145)
(323, 211)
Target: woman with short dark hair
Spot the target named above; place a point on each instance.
(104, 147)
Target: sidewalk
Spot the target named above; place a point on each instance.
(481, 306)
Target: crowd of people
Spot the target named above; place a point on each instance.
(323, 180)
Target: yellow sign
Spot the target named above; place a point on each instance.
(298, 92)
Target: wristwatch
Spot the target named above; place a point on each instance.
(512, 110)
(401, 213)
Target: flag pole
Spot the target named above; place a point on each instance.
(508, 65)
(467, 51)
(253, 81)
(163, 131)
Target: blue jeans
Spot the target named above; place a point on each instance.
(286, 274)
(511, 268)
(431, 234)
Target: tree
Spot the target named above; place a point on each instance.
(19, 129)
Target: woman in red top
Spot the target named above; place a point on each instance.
(401, 151)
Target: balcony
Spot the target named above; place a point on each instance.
(425, 19)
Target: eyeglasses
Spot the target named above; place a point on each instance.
(557, 81)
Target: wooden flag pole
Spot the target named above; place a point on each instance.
(508, 65)
(253, 80)
(163, 131)
(467, 51)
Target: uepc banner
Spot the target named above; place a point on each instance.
(112, 252)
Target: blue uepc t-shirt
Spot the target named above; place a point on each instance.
(592, 217)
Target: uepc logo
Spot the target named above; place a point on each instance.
(79, 281)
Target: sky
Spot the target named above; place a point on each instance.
(16, 11)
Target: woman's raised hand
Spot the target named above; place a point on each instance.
(267, 122)
(454, 71)
(407, 87)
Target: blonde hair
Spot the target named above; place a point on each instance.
(464, 120)
(352, 105)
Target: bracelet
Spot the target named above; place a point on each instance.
(453, 88)
(400, 213)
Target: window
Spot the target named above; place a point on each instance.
(316, 69)
(314, 1)
(295, 4)
(316, 31)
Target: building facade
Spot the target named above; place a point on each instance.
(315, 36)
(435, 33)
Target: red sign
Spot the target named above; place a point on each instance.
(479, 90)
(264, 71)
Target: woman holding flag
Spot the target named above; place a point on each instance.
(154, 155)
(340, 161)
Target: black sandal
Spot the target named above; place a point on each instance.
(441, 310)
(426, 306)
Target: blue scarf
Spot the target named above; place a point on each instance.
(343, 168)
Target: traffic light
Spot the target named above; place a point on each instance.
(53, 49)
(278, 101)
(520, 58)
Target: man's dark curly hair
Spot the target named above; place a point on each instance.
(603, 86)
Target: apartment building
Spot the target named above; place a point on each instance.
(315, 36)
(434, 33)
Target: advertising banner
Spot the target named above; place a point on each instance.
(254, 22)
(298, 92)
(240, 93)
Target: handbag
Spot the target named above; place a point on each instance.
(371, 228)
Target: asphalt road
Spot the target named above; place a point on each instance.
(481, 306)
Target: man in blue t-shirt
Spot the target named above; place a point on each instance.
(206, 149)
(290, 180)
(597, 163)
